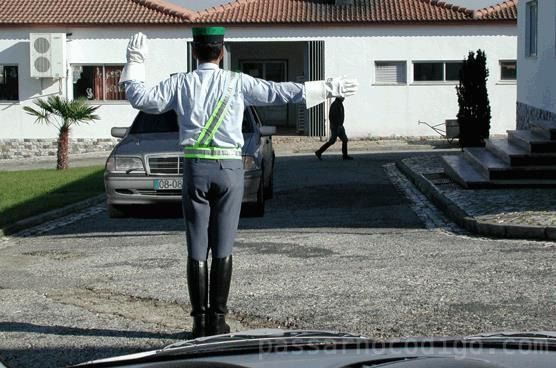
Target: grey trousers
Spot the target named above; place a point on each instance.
(211, 200)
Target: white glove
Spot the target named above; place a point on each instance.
(317, 92)
(340, 87)
(137, 51)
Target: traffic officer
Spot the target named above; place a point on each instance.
(209, 103)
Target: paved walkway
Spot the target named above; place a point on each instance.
(509, 213)
(518, 213)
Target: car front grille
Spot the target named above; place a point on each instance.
(165, 165)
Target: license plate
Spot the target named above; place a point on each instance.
(167, 184)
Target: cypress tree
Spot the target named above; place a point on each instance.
(474, 106)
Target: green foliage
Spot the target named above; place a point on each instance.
(62, 113)
(474, 106)
(28, 193)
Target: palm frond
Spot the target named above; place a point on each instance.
(42, 114)
(79, 111)
(61, 112)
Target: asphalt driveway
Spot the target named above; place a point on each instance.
(340, 248)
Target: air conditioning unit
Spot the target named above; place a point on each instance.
(48, 51)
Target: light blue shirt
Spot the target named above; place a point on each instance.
(194, 96)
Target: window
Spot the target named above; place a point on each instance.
(390, 72)
(436, 71)
(9, 83)
(508, 70)
(98, 82)
(270, 70)
(453, 69)
(531, 24)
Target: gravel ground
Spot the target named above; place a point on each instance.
(340, 248)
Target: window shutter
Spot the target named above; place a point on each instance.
(390, 72)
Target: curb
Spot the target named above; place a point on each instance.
(463, 219)
(51, 215)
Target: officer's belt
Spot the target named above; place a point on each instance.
(214, 153)
(202, 148)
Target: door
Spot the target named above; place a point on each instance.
(314, 122)
(271, 70)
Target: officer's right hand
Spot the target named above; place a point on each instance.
(137, 49)
(136, 54)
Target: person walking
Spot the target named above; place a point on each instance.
(209, 103)
(336, 116)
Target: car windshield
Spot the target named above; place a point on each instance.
(166, 123)
(151, 123)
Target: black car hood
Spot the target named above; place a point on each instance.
(255, 338)
(140, 144)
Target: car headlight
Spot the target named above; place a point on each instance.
(124, 164)
(249, 163)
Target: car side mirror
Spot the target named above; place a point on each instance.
(118, 132)
(268, 130)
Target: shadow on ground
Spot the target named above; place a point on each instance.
(308, 193)
(67, 354)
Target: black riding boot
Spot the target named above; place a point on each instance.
(220, 277)
(197, 282)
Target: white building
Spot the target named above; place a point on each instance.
(536, 95)
(405, 54)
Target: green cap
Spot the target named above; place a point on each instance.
(208, 34)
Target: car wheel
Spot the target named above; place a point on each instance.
(256, 209)
(115, 211)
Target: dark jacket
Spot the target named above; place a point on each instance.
(336, 114)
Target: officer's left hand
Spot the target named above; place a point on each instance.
(137, 49)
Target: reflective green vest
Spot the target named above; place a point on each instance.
(202, 147)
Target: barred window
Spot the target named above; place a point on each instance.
(390, 72)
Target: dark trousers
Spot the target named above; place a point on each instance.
(211, 199)
(336, 133)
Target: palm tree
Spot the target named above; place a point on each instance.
(62, 113)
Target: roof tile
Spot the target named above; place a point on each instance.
(92, 12)
(83, 12)
(362, 11)
(505, 10)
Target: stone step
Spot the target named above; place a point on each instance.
(495, 169)
(531, 141)
(484, 161)
(463, 172)
(460, 170)
(546, 128)
(515, 155)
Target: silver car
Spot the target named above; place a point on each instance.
(145, 167)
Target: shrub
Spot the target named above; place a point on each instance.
(474, 106)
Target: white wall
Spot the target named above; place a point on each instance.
(537, 75)
(351, 51)
(167, 54)
(395, 110)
